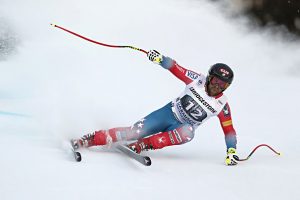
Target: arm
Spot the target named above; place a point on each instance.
(226, 123)
(230, 136)
(185, 75)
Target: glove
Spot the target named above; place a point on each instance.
(231, 158)
(155, 56)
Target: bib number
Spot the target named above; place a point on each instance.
(193, 109)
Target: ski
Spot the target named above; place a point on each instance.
(76, 154)
(145, 160)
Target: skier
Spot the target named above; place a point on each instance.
(175, 123)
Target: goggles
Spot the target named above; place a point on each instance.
(222, 84)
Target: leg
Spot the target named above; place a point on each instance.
(177, 136)
(158, 121)
(103, 137)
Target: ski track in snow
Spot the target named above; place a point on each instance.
(57, 86)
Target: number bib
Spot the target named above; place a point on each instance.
(194, 106)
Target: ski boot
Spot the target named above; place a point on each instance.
(85, 141)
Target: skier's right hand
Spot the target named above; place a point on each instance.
(155, 56)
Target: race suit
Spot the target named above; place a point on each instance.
(175, 123)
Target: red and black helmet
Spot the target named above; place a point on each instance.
(222, 72)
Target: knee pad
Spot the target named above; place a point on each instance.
(184, 133)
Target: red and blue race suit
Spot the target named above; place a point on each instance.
(175, 123)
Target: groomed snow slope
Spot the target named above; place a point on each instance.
(57, 86)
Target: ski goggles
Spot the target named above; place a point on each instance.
(222, 84)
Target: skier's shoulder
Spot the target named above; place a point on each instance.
(195, 76)
(187, 75)
(222, 100)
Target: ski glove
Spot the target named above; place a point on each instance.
(155, 56)
(231, 158)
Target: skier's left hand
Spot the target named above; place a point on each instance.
(231, 158)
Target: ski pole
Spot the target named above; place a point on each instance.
(261, 145)
(96, 42)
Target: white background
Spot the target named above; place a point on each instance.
(57, 86)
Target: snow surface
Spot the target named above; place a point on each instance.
(57, 86)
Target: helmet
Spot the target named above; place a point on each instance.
(221, 71)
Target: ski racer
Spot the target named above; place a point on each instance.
(176, 122)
